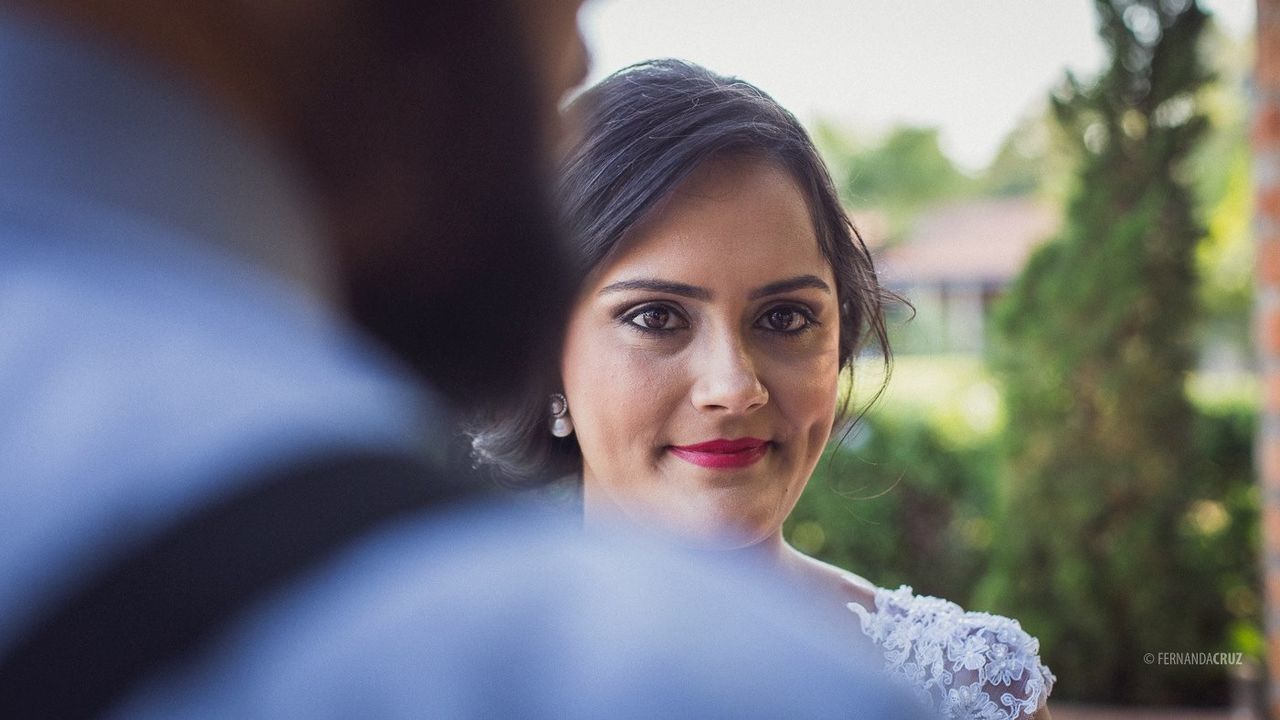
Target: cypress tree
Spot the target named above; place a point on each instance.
(1093, 347)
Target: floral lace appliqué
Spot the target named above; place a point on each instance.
(968, 665)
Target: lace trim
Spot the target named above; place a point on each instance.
(959, 662)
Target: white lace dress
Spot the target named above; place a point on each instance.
(968, 665)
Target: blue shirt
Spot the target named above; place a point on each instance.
(166, 336)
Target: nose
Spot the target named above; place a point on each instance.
(727, 380)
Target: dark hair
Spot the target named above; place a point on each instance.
(425, 144)
(643, 130)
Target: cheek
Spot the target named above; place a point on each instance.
(620, 397)
(804, 390)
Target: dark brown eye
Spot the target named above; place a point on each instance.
(786, 319)
(655, 319)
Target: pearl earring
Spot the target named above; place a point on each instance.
(561, 423)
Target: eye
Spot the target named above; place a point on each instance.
(787, 319)
(655, 318)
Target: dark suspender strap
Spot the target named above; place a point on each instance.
(165, 599)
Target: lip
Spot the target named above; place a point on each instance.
(737, 453)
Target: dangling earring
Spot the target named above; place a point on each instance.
(561, 423)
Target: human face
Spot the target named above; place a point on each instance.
(717, 321)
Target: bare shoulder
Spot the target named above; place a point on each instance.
(842, 585)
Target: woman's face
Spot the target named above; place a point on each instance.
(701, 362)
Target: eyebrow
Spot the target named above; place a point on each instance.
(697, 293)
(662, 286)
(800, 282)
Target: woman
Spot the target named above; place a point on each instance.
(723, 292)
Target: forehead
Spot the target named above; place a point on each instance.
(733, 220)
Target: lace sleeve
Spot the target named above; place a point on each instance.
(968, 665)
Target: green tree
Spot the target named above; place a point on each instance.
(1221, 166)
(1095, 350)
(901, 501)
(1035, 158)
(907, 169)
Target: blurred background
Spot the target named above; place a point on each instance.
(1062, 190)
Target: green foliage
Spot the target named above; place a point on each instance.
(1018, 164)
(902, 501)
(907, 169)
(1102, 465)
(1221, 532)
(1113, 517)
(908, 498)
(1034, 159)
(1221, 168)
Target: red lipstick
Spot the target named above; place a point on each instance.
(723, 453)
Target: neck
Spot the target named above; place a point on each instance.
(773, 552)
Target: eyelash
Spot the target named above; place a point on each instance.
(810, 320)
(628, 318)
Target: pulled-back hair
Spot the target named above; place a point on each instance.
(643, 131)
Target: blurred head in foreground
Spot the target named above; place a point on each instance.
(175, 390)
(723, 289)
(422, 129)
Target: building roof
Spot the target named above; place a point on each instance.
(980, 242)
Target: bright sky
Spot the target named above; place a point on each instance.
(969, 67)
